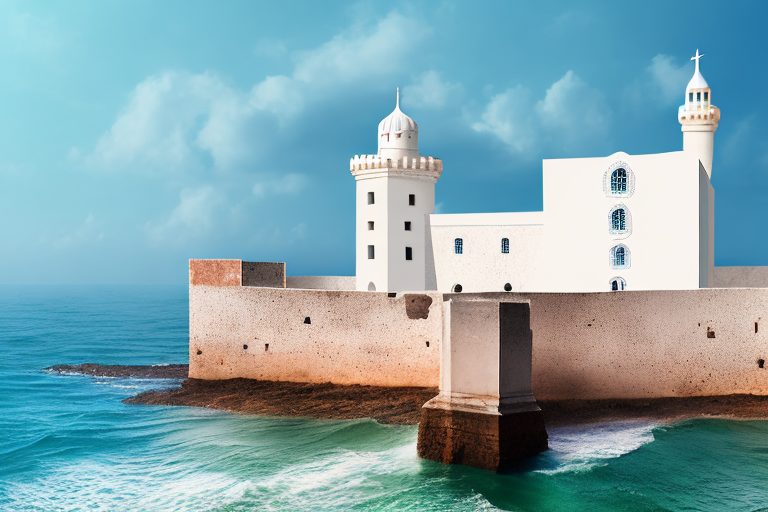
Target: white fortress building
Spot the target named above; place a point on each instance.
(635, 222)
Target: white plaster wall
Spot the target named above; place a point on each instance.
(408, 275)
(664, 208)
(375, 270)
(321, 282)
(352, 337)
(482, 266)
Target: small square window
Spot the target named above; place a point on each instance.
(409, 253)
(371, 252)
(411, 199)
(407, 225)
(371, 198)
(370, 225)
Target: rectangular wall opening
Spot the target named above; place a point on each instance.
(371, 252)
(411, 199)
(370, 225)
(408, 253)
(371, 198)
(407, 225)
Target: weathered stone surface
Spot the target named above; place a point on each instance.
(487, 441)
(417, 305)
(215, 272)
(267, 274)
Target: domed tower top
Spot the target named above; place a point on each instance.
(698, 95)
(398, 134)
(699, 117)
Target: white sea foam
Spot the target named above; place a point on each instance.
(100, 487)
(579, 448)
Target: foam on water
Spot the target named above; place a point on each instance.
(581, 447)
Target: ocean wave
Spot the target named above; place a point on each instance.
(582, 447)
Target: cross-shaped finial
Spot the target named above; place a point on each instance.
(697, 57)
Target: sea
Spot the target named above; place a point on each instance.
(68, 443)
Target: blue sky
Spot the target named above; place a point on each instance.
(135, 135)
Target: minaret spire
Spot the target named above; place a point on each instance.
(397, 97)
(696, 58)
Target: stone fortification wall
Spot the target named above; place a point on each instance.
(649, 344)
(634, 344)
(344, 337)
(740, 277)
(321, 282)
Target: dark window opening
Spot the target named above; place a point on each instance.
(371, 252)
(407, 225)
(505, 246)
(392, 295)
(507, 287)
(457, 288)
(307, 320)
(458, 246)
(370, 225)
(690, 97)
(245, 347)
(371, 198)
(706, 95)
(411, 199)
(698, 96)
(408, 253)
(761, 363)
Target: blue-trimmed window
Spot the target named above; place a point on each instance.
(505, 246)
(618, 220)
(620, 256)
(458, 246)
(619, 181)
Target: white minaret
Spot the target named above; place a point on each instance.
(699, 118)
(395, 193)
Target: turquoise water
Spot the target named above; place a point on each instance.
(68, 443)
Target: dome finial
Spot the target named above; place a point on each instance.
(397, 97)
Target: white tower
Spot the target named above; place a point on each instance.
(699, 118)
(395, 193)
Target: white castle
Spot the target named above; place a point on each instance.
(640, 222)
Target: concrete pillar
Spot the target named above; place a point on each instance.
(485, 415)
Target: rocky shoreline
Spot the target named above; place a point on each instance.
(395, 405)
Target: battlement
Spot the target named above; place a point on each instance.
(702, 113)
(428, 164)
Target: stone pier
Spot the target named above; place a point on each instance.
(485, 415)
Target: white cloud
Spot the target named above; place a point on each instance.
(668, 78)
(287, 184)
(193, 216)
(364, 53)
(570, 113)
(508, 117)
(430, 90)
(177, 120)
(661, 85)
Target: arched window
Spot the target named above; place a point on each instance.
(620, 256)
(505, 245)
(507, 287)
(458, 246)
(619, 181)
(371, 287)
(618, 220)
(456, 288)
(617, 284)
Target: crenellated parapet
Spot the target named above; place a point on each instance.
(426, 166)
(704, 113)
